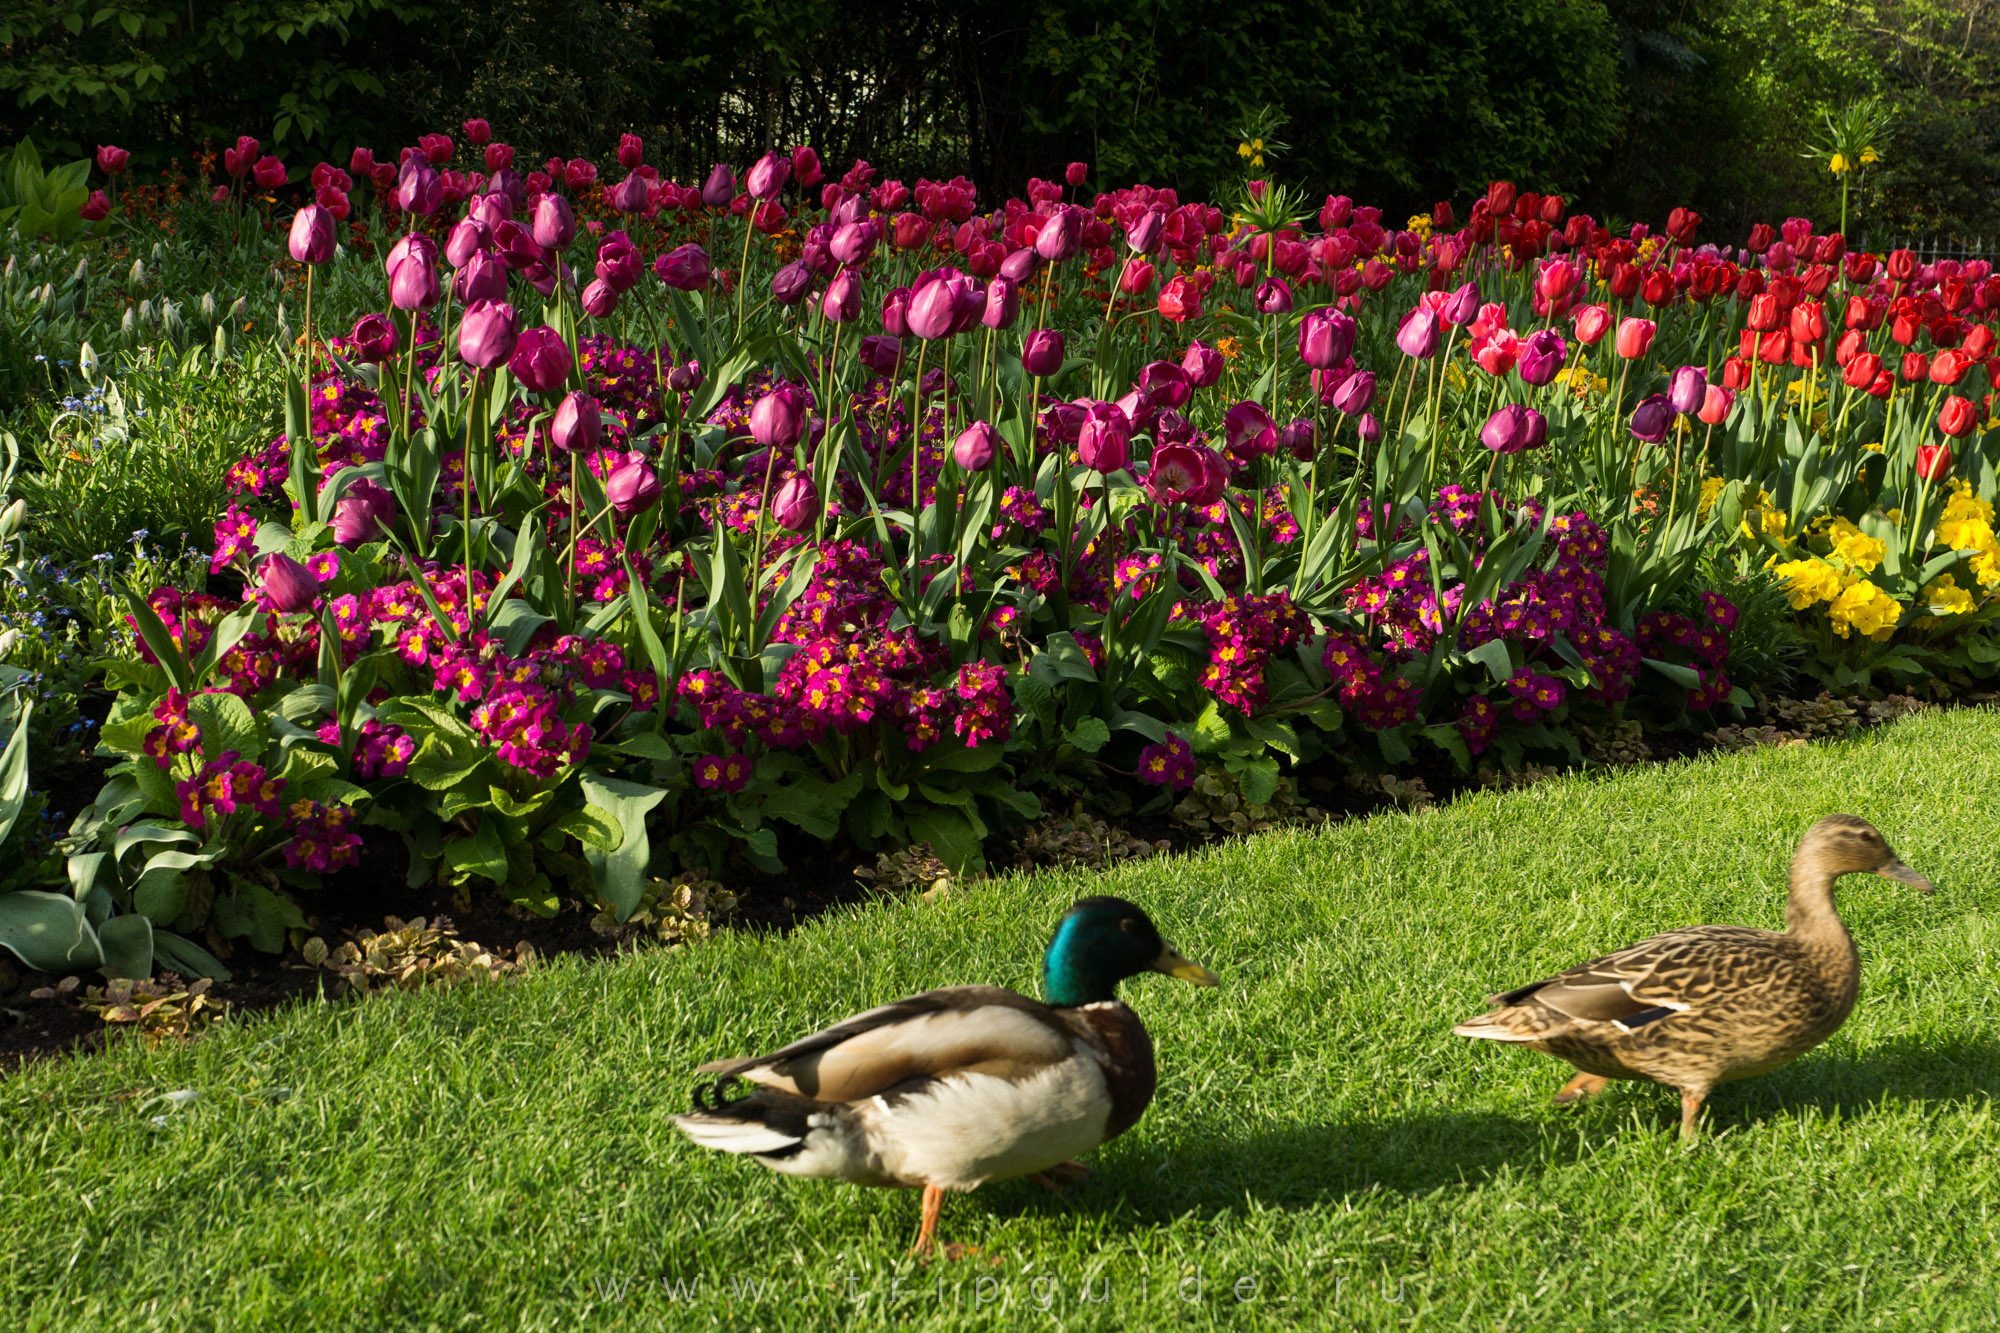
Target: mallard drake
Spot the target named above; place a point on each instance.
(1709, 1004)
(955, 1087)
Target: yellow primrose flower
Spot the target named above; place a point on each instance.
(1711, 491)
(1419, 223)
(1946, 598)
(1855, 548)
(1809, 581)
(1865, 609)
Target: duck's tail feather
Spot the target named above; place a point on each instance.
(1500, 1025)
(766, 1123)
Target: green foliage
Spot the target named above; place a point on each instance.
(43, 202)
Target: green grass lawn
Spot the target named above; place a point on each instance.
(1321, 1150)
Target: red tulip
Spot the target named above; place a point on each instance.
(96, 208)
(437, 147)
(1950, 365)
(1592, 322)
(1500, 196)
(1916, 367)
(1716, 404)
(1934, 460)
(1808, 322)
(1956, 418)
(1735, 373)
(237, 161)
(269, 173)
(1077, 173)
(1861, 370)
(1682, 223)
(112, 161)
(1180, 300)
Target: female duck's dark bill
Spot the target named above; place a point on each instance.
(1898, 871)
(1171, 963)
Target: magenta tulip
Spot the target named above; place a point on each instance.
(686, 269)
(467, 238)
(112, 161)
(484, 278)
(1274, 296)
(599, 300)
(796, 504)
(477, 133)
(286, 585)
(1356, 394)
(1143, 235)
(1249, 430)
(767, 178)
(1042, 353)
(779, 418)
(1540, 356)
(1104, 438)
(487, 334)
(791, 284)
(1060, 235)
(1003, 304)
(1178, 474)
(632, 487)
(413, 282)
(1326, 338)
(579, 423)
(881, 353)
(555, 224)
(1418, 334)
(1203, 364)
(720, 187)
(541, 360)
(1652, 419)
(366, 511)
(1688, 390)
(976, 447)
(419, 189)
(374, 339)
(1463, 305)
(96, 208)
(269, 173)
(1020, 265)
(842, 302)
(933, 308)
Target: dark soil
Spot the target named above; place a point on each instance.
(32, 1029)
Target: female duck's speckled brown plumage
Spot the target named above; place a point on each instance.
(1709, 1004)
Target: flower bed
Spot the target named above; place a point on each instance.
(850, 510)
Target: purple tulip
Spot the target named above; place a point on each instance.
(685, 269)
(486, 334)
(1249, 430)
(767, 178)
(1535, 433)
(1042, 353)
(413, 282)
(1170, 427)
(555, 224)
(842, 302)
(854, 208)
(796, 504)
(896, 313)
(791, 284)
(629, 195)
(1166, 385)
(1540, 357)
(1369, 429)
(619, 262)
(853, 242)
(976, 447)
(881, 353)
(1297, 439)
(1418, 334)
(720, 187)
(467, 239)
(1326, 338)
(1203, 364)
(779, 417)
(1687, 390)
(419, 189)
(968, 300)
(510, 185)
(1019, 266)
(541, 360)
(933, 308)
(1060, 235)
(1103, 440)
(286, 584)
(1177, 474)
(579, 423)
(1652, 419)
(484, 278)
(1003, 304)
(312, 235)
(1274, 296)
(489, 211)
(1144, 233)
(685, 378)
(632, 486)
(1463, 306)
(515, 246)
(374, 339)
(1505, 431)
(364, 513)
(1356, 394)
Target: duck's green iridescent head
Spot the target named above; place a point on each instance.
(1100, 942)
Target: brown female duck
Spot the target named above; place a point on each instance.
(1709, 1004)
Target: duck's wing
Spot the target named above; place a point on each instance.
(1676, 972)
(983, 1029)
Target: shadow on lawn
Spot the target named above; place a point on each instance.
(1297, 1166)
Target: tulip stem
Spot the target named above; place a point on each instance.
(309, 365)
(916, 453)
(743, 269)
(465, 489)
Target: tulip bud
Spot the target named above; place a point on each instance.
(374, 339)
(976, 447)
(1956, 418)
(779, 418)
(1688, 390)
(1020, 265)
(1369, 430)
(632, 486)
(1060, 235)
(555, 224)
(1003, 304)
(1417, 336)
(286, 585)
(1652, 419)
(1042, 353)
(1462, 306)
(366, 511)
(578, 424)
(1635, 338)
(1716, 404)
(795, 505)
(486, 334)
(312, 235)
(419, 189)
(540, 360)
(767, 178)
(842, 302)
(1102, 440)
(1143, 235)
(720, 187)
(791, 284)
(599, 300)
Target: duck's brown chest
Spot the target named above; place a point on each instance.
(1129, 1073)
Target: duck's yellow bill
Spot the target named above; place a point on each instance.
(1171, 963)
